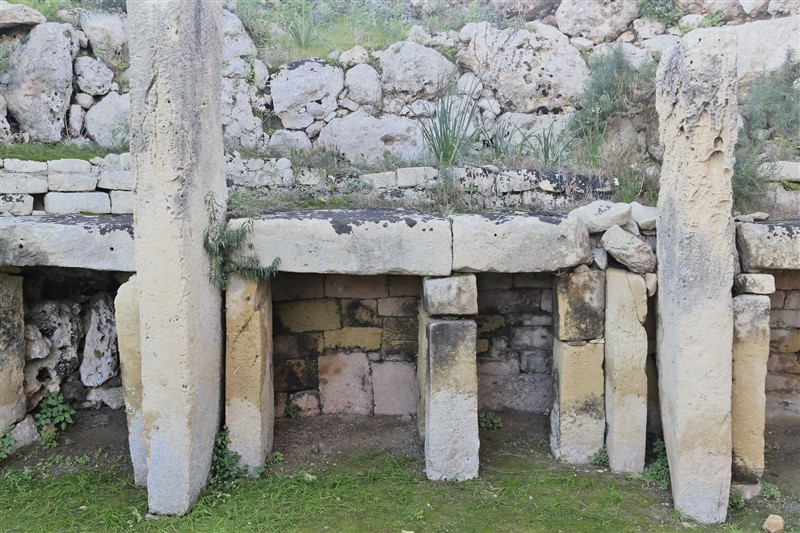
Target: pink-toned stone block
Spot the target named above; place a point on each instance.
(395, 386)
(307, 402)
(345, 384)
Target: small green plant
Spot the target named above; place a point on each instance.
(714, 18)
(736, 500)
(224, 462)
(6, 443)
(663, 11)
(54, 411)
(600, 458)
(224, 246)
(48, 436)
(451, 131)
(770, 491)
(291, 411)
(250, 77)
(629, 185)
(550, 147)
(658, 470)
(274, 458)
(489, 420)
(302, 29)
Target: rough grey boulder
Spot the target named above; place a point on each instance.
(107, 33)
(18, 15)
(602, 214)
(107, 122)
(363, 138)
(305, 91)
(411, 71)
(629, 250)
(596, 20)
(363, 85)
(526, 70)
(284, 141)
(100, 358)
(93, 76)
(236, 42)
(38, 87)
(241, 127)
(60, 323)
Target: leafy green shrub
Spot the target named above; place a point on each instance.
(450, 133)
(6, 443)
(736, 500)
(770, 491)
(663, 11)
(224, 462)
(658, 470)
(54, 411)
(600, 459)
(489, 420)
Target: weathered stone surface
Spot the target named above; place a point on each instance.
(354, 242)
(121, 202)
(22, 165)
(625, 362)
(284, 141)
(71, 182)
(126, 313)
(308, 315)
(344, 383)
(178, 160)
(241, 127)
(75, 120)
(22, 183)
(38, 86)
(645, 216)
(306, 91)
(773, 524)
(98, 243)
(100, 357)
(769, 246)
(411, 71)
(16, 204)
(12, 350)
(395, 387)
(362, 138)
(526, 69)
(93, 77)
(60, 324)
(68, 203)
(577, 421)
(106, 32)
(601, 215)
(368, 339)
(25, 434)
(18, 15)
(455, 295)
(115, 179)
(339, 286)
(748, 402)
(596, 20)
(363, 84)
(754, 284)
(112, 397)
(629, 250)
(763, 44)
(492, 243)
(451, 400)
(107, 120)
(579, 300)
(528, 393)
(249, 395)
(695, 99)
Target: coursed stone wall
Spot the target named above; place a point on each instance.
(783, 377)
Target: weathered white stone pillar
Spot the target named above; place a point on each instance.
(448, 372)
(249, 396)
(126, 312)
(177, 154)
(12, 351)
(577, 420)
(625, 370)
(748, 408)
(696, 103)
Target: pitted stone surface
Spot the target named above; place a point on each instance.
(455, 295)
(769, 246)
(354, 242)
(512, 243)
(78, 241)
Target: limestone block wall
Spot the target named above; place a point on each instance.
(783, 377)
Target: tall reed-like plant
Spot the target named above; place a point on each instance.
(451, 131)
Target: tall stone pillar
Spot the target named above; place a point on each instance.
(12, 351)
(177, 155)
(625, 370)
(696, 103)
(126, 312)
(249, 396)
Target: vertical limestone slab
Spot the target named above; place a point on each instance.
(748, 400)
(577, 421)
(249, 395)
(696, 103)
(451, 392)
(579, 299)
(625, 370)
(177, 160)
(126, 313)
(422, 367)
(12, 351)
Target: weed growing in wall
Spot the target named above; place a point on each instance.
(452, 130)
(488, 420)
(6, 443)
(736, 500)
(663, 11)
(600, 459)
(658, 470)
(54, 411)
(224, 462)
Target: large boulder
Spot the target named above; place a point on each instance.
(525, 9)
(108, 34)
(93, 76)
(526, 70)
(235, 41)
(306, 91)
(241, 128)
(107, 122)
(763, 45)
(729, 9)
(38, 87)
(18, 15)
(596, 20)
(363, 138)
(100, 358)
(363, 85)
(411, 71)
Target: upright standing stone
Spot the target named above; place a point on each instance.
(451, 393)
(750, 354)
(249, 398)
(577, 421)
(177, 155)
(422, 366)
(12, 351)
(126, 311)
(625, 370)
(696, 103)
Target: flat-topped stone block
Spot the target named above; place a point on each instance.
(518, 243)
(354, 242)
(65, 203)
(77, 241)
(455, 295)
(754, 283)
(769, 246)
